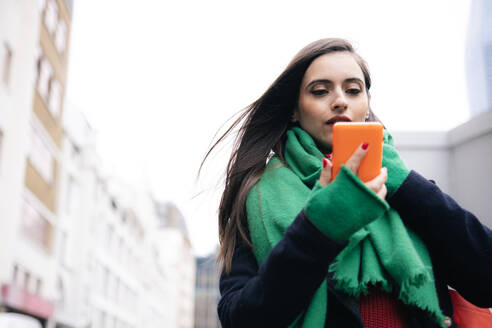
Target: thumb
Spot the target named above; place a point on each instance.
(325, 175)
(354, 161)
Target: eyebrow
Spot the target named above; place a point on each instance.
(326, 81)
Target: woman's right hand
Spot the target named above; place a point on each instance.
(377, 184)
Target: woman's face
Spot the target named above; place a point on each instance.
(332, 90)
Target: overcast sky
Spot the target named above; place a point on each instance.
(157, 79)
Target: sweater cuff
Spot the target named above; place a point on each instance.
(344, 206)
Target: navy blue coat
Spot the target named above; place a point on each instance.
(275, 293)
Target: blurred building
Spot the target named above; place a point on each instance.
(178, 262)
(114, 248)
(78, 248)
(114, 259)
(207, 292)
(459, 160)
(34, 37)
(479, 56)
(78, 182)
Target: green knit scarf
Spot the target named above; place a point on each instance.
(382, 252)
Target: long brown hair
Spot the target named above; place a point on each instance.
(261, 129)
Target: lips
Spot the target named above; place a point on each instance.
(338, 118)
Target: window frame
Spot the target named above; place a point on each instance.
(61, 36)
(55, 95)
(45, 75)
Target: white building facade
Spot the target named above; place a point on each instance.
(27, 263)
(77, 204)
(179, 264)
(117, 265)
(75, 249)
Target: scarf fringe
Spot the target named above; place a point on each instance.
(358, 289)
(417, 280)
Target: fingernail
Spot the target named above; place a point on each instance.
(365, 145)
(325, 162)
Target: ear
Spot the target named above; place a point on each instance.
(295, 116)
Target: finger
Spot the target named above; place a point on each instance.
(354, 161)
(382, 192)
(379, 181)
(325, 175)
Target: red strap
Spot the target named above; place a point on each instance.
(467, 315)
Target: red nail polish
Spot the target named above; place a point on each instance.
(365, 145)
(325, 162)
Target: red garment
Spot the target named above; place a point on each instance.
(379, 309)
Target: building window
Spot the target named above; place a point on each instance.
(68, 194)
(61, 36)
(72, 195)
(100, 316)
(103, 320)
(121, 249)
(109, 237)
(45, 74)
(90, 263)
(114, 206)
(111, 287)
(27, 280)
(75, 152)
(86, 308)
(39, 59)
(51, 16)
(15, 274)
(63, 247)
(34, 226)
(48, 86)
(7, 63)
(106, 277)
(55, 94)
(98, 273)
(39, 285)
(40, 156)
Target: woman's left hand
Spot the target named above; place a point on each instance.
(378, 184)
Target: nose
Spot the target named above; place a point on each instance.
(340, 102)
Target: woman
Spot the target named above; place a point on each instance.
(299, 251)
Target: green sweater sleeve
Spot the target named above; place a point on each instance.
(344, 206)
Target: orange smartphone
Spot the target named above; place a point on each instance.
(347, 136)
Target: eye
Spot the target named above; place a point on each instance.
(353, 91)
(319, 92)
